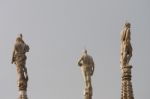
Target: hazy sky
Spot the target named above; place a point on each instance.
(58, 30)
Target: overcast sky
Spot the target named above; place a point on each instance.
(58, 30)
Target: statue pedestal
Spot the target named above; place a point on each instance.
(22, 94)
(126, 72)
(127, 91)
(88, 93)
(87, 97)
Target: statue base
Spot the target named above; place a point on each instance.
(87, 97)
(22, 94)
(88, 93)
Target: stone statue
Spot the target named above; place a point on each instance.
(19, 59)
(87, 67)
(126, 48)
(126, 54)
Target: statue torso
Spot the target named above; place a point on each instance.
(87, 60)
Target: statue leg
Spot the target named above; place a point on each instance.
(84, 74)
(19, 72)
(88, 89)
(89, 84)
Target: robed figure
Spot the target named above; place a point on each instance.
(126, 48)
(19, 59)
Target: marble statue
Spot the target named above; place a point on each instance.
(19, 59)
(126, 54)
(86, 64)
(126, 48)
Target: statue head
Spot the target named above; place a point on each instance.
(85, 51)
(19, 39)
(127, 24)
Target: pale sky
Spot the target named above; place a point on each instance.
(58, 30)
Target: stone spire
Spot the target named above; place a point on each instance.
(19, 59)
(126, 54)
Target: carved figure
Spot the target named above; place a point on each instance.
(19, 58)
(126, 54)
(87, 67)
(126, 48)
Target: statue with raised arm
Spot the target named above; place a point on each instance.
(19, 59)
(86, 64)
(126, 48)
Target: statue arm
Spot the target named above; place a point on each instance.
(93, 67)
(123, 35)
(128, 34)
(80, 61)
(26, 73)
(27, 48)
(13, 57)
